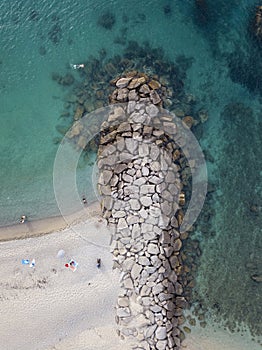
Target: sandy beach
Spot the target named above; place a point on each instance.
(50, 307)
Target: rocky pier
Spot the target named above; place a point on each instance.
(142, 199)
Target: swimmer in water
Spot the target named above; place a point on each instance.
(77, 66)
(23, 219)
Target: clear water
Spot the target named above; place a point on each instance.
(225, 69)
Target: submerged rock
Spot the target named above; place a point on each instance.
(106, 20)
(258, 23)
(257, 278)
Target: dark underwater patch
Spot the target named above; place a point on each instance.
(246, 69)
(55, 33)
(107, 20)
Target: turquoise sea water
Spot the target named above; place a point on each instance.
(42, 37)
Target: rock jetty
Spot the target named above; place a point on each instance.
(142, 198)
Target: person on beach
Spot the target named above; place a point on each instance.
(23, 219)
(77, 66)
(98, 263)
(84, 200)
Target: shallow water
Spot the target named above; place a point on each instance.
(42, 37)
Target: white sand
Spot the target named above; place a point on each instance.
(72, 310)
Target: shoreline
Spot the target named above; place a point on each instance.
(49, 225)
(80, 294)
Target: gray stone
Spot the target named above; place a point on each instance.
(170, 128)
(172, 277)
(128, 283)
(143, 260)
(107, 202)
(106, 190)
(178, 288)
(168, 251)
(163, 221)
(133, 96)
(155, 179)
(119, 214)
(145, 171)
(120, 144)
(137, 247)
(119, 168)
(146, 228)
(154, 97)
(138, 174)
(158, 288)
(174, 222)
(154, 152)
(123, 82)
(147, 189)
(144, 275)
(164, 165)
(131, 106)
(165, 237)
(132, 189)
(153, 249)
(123, 302)
(106, 177)
(152, 110)
(160, 333)
(144, 89)
(154, 211)
(140, 182)
(170, 306)
(155, 261)
(122, 94)
(146, 301)
(126, 156)
(170, 177)
(156, 198)
(136, 81)
(143, 150)
(149, 331)
(161, 345)
(128, 264)
(150, 270)
(136, 231)
(145, 291)
(171, 342)
(166, 208)
(123, 312)
(149, 236)
(165, 296)
(132, 219)
(122, 224)
(143, 213)
(177, 245)
(131, 145)
(157, 230)
(158, 133)
(136, 270)
(135, 204)
(137, 118)
(168, 196)
(124, 127)
(146, 201)
(161, 187)
(155, 166)
(156, 308)
(151, 220)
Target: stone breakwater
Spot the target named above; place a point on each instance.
(142, 198)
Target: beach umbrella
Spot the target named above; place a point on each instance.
(61, 253)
